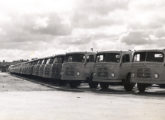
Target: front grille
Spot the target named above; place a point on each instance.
(144, 73)
(102, 72)
(69, 71)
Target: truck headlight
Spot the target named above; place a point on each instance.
(78, 73)
(133, 75)
(156, 76)
(94, 74)
(113, 74)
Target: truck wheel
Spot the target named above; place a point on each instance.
(62, 83)
(128, 86)
(74, 84)
(104, 86)
(162, 86)
(93, 84)
(141, 87)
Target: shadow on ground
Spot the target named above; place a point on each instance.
(118, 90)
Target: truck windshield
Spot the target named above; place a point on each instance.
(75, 58)
(108, 57)
(39, 62)
(58, 59)
(148, 56)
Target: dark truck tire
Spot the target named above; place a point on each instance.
(61, 83)
(93, 84)
(128, 86)
(74, 84)
(162, 85)
(104, 86)
(141, 87)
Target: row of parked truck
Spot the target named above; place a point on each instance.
(127, 68)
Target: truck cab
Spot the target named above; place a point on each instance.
(55, 72)
(78, 67)
(41, 67)
(148, 67)
(47, 68)
(53, 66)
(36, 67)
(113, 67)
(31, 65)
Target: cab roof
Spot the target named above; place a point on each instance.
(80, 53)
(151, 50)
(100, 52)
(48, 57)
(59, 55)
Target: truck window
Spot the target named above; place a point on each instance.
(100, 58)
(108, 57)
(40, 62)
(148, 56)
(51, 60)
(126, 58)
(44, 61)
(139, 56)
(34, 63)
(47, 62)
(55, 60)
(58, 60)
(90, 58)
(75, 58)
(155, 57)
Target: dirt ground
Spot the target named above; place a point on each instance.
(21, 99)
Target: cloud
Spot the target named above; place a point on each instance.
(97, 13)
(51, 24)
(145, 24)
(160, 33)
(45, 27)
(136, 38)
(29, 31)
(101, 7)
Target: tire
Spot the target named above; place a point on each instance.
(128, 86)
(93, 84)
(141, 87)
(62, 83)
(162, 85)
(74, 84)
(104, 86)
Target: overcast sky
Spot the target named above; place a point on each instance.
(38, 28)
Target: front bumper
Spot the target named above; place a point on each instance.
(108, 80)
(147, 80)
(73, 78)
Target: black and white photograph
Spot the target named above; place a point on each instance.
(82, 60)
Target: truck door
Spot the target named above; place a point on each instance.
(89, 65)
(125, 66)
(156, 66)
